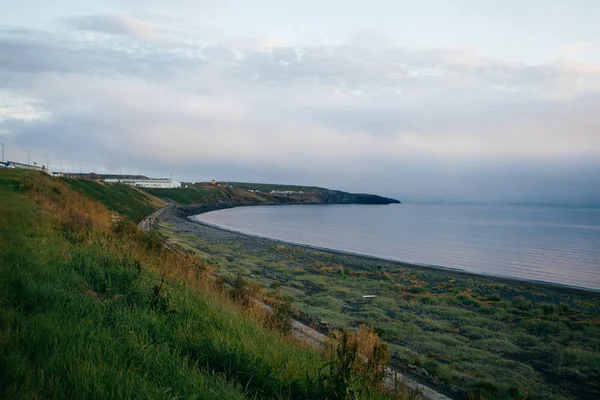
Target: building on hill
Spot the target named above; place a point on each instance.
(285, 192)
(160, 183)
(96, 176)
(34, 166)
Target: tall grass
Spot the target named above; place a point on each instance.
(125, 200)
(96, 308)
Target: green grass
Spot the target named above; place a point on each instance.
(267, 187)
(83, 313)
(190, 195)
(491, 338)
(120, 198)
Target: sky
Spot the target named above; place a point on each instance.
(425, 101)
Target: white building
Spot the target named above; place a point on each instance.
(147, 183)
(284, 192)
(34, 166)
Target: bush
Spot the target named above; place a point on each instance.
(358, 364)
(280, 315)
(416, 289)
(541, 327)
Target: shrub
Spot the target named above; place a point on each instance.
(76, 226)
(280, 315)
(358, 363)
(541, 327)
(240, 290)
(416, 289)
(152, 240)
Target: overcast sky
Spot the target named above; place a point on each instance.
(427, 100)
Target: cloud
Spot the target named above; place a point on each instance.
(329, 115)
(13, 106)
(114, 24)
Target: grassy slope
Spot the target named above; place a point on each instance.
(267, 187)
(206, 194)
(80, 317)
(504, 340)
(122, 199)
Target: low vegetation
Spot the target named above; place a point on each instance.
(93, 307)
(268, 187)
(125, 200)
(243, 194)
(191, 195)
(476, 337)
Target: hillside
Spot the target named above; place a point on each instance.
(125, 200)
(93, 307)
(240, 193)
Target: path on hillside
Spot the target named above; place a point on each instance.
(147, 223)
(300, 331)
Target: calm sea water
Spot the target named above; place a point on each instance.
(560, 245)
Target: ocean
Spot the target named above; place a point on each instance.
(551, 244)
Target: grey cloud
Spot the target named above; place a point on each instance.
(345, 69)
(28, 52)
(320, 115)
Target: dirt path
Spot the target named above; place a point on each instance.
(147, 223)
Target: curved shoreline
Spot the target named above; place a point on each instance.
(459, 271)
(328, 288)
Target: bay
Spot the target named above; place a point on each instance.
(551, 244)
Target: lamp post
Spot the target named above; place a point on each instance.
(61, 170)
(28, 156)
(2, 144)
(47, 162)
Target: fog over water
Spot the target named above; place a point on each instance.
(552, 244)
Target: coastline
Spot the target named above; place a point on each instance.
(376, 258)
(434, 319)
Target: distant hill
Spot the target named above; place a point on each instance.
(268, 187)
(261, 193)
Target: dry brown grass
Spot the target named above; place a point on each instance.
(361, 354)
(85, 220)
(155, 201)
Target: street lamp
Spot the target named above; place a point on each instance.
(2, 144)
(47, 162)
(28, 156)
(61, 170)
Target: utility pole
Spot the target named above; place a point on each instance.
(2, 144)
(28, 156)
(61, 169)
